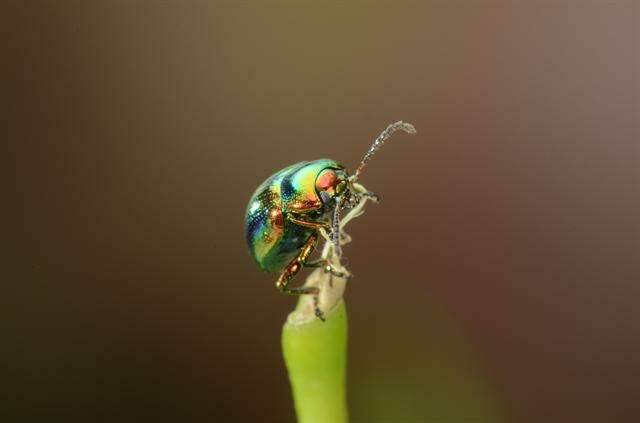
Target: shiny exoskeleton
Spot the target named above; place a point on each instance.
(287, 211)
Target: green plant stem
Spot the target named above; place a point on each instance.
(315, 353)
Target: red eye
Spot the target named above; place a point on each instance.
(326, 180)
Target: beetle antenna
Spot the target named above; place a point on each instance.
(384, 135)
(335, 229)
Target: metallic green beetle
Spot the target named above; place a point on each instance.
(287, 211)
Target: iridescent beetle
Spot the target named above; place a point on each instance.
(287, 211)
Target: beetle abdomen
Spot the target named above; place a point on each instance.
(264, 222)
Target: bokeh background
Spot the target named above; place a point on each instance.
(498, 280)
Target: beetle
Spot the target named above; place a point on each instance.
(287, 211)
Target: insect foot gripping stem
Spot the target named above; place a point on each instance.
(330, 284)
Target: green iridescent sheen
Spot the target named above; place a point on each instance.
(274, 241)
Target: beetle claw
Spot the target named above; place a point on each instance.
(343, 275)
(319, 313)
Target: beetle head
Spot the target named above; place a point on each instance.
(331, 184)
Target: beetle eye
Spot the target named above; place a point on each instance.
(326, 180)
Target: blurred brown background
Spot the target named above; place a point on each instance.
(497, 281)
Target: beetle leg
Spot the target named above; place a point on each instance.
(328, 268)
(287, 274)
(307, 224)
(294, 267)
(374, 197)
(361, 190)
